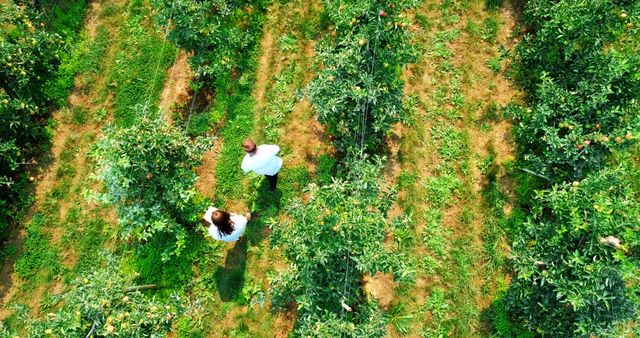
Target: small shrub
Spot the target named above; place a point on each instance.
(146, 170)
(490, 29)
(493, 4)
(494, 65)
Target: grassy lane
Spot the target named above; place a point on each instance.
(262, 106)
(66, 233)
(450, 160)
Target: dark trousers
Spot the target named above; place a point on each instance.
(273, 180)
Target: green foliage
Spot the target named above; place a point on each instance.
(239, 125)
(84, 57)
(326, 169)
(490, 29)
(493, 4)
(63, 17)
(91, 237)
(199, 124)
(565, 38)
(436, 303)
(146, 170)
(494, 65)
(583, 84)
(28, 55)
(358, 91)
(576, 258)
(441, 190)
(173, 275)
(569, 133)
(331, 241)
(97, 302)
(186, 329)
(218, 32)
(503, 324)
(578, 64)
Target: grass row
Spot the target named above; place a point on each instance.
(453, 240)
(67, 233)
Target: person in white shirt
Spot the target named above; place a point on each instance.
(262, 160)
(225, 226)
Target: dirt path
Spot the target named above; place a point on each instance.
(264, 70)
(283, 65)
(206, 172)
(176, 87)
(302, 134)
(206, 183)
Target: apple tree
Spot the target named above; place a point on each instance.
(216, 31)
(147, 173)
(358, 92)
(28, 56)
(577, 258)
(103, 304)
(331, 241)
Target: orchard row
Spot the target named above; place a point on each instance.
(576, 254)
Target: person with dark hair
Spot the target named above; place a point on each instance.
(262, 160)
(225, 226)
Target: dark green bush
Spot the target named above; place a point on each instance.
(576, 258)
(564, 37)
(575, 255)
(326, 169)
(583, 86)
(64, 17)
(493, 4)
(568, 133)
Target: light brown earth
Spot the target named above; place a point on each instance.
(206, 183)
(176, 87)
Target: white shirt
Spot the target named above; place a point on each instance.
(239, 224)
(264, 161)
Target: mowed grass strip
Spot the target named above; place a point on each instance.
(456, 241)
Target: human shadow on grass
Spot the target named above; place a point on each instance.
(267, 204)
(230, 277)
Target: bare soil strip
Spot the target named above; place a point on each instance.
(176, 87)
